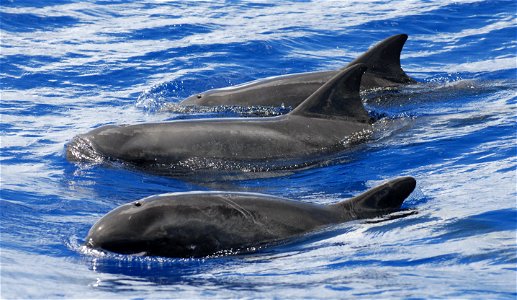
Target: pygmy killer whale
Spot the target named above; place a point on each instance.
(198, 224)
(331, 115)
(384, 70)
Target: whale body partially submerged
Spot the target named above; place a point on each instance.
(197, 224)
(384, 70)
(318, 126)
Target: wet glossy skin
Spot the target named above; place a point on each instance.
(203, 223)
(383, 61)
(318, 126)
(255, 139)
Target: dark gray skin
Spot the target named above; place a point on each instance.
(384, 70)
(198, 224)
(317, 126)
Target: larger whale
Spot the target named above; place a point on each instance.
(319, 125)
(384, 70)
(198, 224)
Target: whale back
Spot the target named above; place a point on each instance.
(197, 224)
(337, 98)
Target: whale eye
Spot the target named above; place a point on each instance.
(199, 96)
(138, 204)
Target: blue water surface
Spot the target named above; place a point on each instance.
(69, 66)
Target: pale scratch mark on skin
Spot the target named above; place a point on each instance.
(242, 210)
(247, 214)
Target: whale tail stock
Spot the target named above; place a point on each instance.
(378, 201)
(338, 97)
(383, 60)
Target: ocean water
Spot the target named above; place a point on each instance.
(69, 66)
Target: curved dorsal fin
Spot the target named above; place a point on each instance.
(383, 59)
(338, 97)
(380, 200)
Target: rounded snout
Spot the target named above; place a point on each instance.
(91, 146)
(81, 148)
(119, 231)
(95, 238)
(105, 235)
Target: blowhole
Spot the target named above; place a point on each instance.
(138, 204)
(199, 96)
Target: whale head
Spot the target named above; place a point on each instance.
(132, 228)
(196, 99)
(105, 143)
(152, 226)
(91, 146)
(210, 98)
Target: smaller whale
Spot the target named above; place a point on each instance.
(199, 224)
(382, 61)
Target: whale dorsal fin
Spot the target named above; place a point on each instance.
(338, 97)
(383, 59)
(380, 200)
